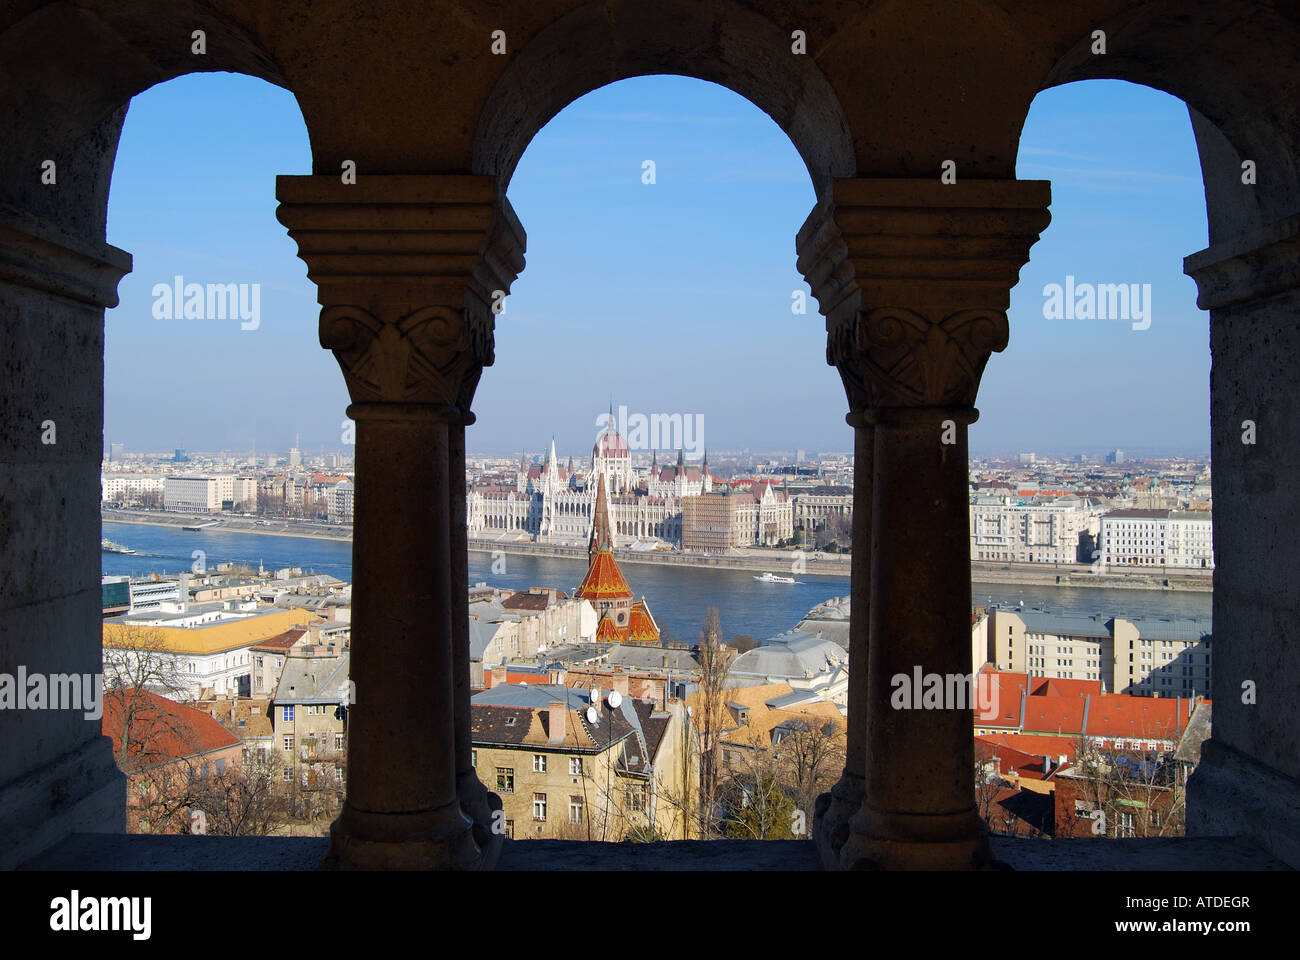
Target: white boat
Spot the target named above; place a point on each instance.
(108, 546)
(772, 578)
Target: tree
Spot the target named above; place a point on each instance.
(742, 643)
(244, 802)
(760, 810)
(715, 660)
(809, 758)
(1131, 793)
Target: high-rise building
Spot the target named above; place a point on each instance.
(1115, 456)
(117, 451)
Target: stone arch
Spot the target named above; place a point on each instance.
(71, 109)
(1237, 67)
(725, 43)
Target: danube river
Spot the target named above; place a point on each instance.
(678, 596)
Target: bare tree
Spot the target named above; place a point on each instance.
(715, 660)
(810, 756)
(244, 802)
(1132, 793)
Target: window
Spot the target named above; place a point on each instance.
(288, 714)
(575, 809)
(288, 743)
(636, 797)
(338, 741)
(473, 758)
(539, 763)
(575, 766)
(506, 779)
(539, 806)
(510, 829)
(1124, 827)
(221, 767)
(288, 774)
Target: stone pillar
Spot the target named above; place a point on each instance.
(1248, 781)
(914, 277)
(407, 268)
(474, 797)
(57, 772)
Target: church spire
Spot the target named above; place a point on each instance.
(601, 539)
(681, 460)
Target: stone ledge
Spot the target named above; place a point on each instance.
(141, 852)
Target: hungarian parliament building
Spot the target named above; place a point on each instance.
(554, 503)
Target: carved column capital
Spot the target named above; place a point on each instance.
(407, 268)
(1254, 266)
(41, 255)
(914, 278)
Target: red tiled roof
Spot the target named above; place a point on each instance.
(160, 730)
(1057, 687)
(281, 641)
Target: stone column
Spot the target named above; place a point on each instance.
(57, 772)
(474, 797)
(407, 269)
(914, 277)
(1248, 781)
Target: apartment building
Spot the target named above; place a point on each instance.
(1169, 539)
(128, 487)
(585, 764)
(716, 522)
(1032, 529)
(309, 711)
(709, 523)
(208, 494)
(1143, 656)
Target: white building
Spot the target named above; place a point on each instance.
(550, 502)
(207, 494)
(1031, 529)
(338, 500)
(805, 660)
(128, 487)
(1158, 538)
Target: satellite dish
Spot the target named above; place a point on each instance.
(592, 715)
(615, 698)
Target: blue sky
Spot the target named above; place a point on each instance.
(672, 297)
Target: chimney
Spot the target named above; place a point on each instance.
(619, 681)
(595, 698)
(498, 676)
(557, 710)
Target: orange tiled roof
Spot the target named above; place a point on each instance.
(161, 729)
(604, 580)
(641, 626)
(610, 632)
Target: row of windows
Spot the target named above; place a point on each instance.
(506, 775)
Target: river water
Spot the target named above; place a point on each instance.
(677, 596)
